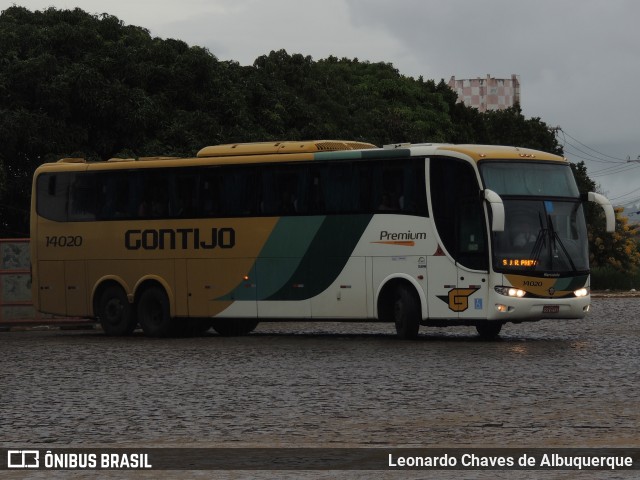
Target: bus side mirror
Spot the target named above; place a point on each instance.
(497, 210)
(604, 202)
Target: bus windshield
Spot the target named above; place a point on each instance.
(542, 236)
(529, 178)
(544, 220)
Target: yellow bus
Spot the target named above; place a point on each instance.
(416, 234)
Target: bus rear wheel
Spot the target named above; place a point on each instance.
(153, 313)
(115, 313)
(234, 327)
(406, 313)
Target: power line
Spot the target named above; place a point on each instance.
(565, 134)
(614, 165)
(613, 170)
(568, 151)
(626, 194)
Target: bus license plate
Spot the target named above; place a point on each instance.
(551, 309)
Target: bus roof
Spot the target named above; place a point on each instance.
(275, 152)
(266, 148)
(495, 152)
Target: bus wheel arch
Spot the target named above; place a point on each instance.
(113, 309)
(399, 301)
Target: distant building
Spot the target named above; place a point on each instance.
(487, 93)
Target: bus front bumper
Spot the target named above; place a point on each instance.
(507, 309)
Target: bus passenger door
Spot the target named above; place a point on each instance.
(453, 291)
(442, 283)
(458, 271)
(472, 257)
(472, 294)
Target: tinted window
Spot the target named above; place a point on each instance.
(343, 187)
(458, 211)
(53, 195)
(529, 178)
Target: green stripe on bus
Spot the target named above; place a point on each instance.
(386, 153)
(326, 257)
(283, 252)
(364, 154)
(301, 258)
(340, 155)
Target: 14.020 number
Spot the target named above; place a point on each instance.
(63, 241)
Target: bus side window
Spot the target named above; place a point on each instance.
(209, 196)
(269, 192)
(340, 188)
(183, 197)
(415, 190)
(238, 192)
(52, 195)
(155, 196)
(316, 200)
(399, 186)
(83, 197)
(116, 199)
(388, 186)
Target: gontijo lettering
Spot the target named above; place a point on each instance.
(179, 238)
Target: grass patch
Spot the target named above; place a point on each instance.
(608, 278)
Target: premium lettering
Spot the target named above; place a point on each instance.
(179, 239)
(384, 235)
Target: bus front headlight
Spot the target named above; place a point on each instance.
(510, 292)
(582, 292)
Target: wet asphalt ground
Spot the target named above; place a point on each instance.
(546, 384)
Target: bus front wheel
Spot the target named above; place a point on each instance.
(153, 313)
(489, 330)
(406, 313)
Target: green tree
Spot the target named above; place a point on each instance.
(619, 249)
(510, 127)
(84, 85)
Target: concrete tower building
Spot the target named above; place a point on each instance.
(487, 93)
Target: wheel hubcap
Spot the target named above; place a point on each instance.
(114, 311)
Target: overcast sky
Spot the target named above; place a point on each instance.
(578, 60)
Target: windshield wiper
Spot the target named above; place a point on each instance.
(539, 243)
(555, 238)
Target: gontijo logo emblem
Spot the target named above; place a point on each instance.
(458, 298)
